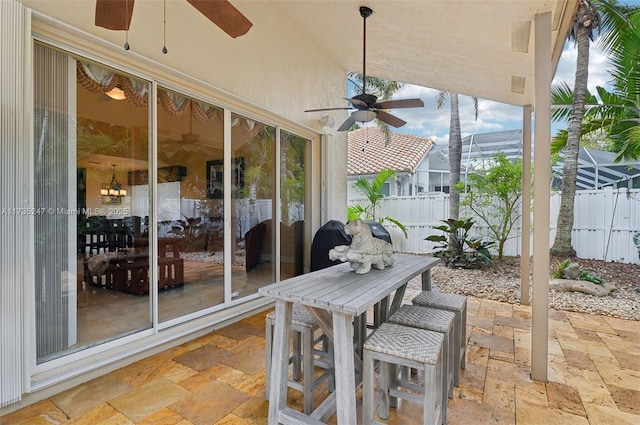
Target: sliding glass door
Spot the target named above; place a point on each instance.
(119, 245)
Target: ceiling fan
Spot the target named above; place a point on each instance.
(116, 15)
(366, 106)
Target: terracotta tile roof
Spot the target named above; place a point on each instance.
(368, 152)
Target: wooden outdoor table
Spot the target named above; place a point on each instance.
(334, 296)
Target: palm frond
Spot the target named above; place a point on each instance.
(614, 23)
(562, 101)
(441, 98)
(381, 178)
(385, 130)
(398, 224)
(559, 141)
(383, 89)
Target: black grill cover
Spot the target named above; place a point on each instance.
(326, 238)
(378, 231)
(331, 235)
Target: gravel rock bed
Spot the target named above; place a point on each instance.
(501, 282)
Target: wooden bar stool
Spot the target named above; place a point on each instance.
(305, 357)
(458, 305)
(435, 320)
(394, 345)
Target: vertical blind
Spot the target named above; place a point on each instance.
(53, 268)
(12, 154)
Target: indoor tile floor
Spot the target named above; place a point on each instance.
(594, 378)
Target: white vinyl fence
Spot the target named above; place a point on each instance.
(604, 224)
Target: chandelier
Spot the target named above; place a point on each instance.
(113, 189)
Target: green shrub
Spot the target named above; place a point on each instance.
(590, 277)
(457, 249)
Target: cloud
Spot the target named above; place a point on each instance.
(433, 122)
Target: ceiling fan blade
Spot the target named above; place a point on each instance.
(327, 109)
(401, 103)
(390, 119)
(347, 124)
(224, 15)
(114, 14)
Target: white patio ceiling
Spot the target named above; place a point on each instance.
(481, 48)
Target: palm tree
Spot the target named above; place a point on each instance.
(586, 22)
(455, 148)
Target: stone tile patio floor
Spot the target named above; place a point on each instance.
(594, 378)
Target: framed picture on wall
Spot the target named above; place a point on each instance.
(215, 178)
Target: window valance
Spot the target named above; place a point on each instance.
(98, 79)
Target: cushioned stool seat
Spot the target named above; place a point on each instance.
(305, 357)
(458, 305)
(435, 320)
(395, 345)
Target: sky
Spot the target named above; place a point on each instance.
(433, 123)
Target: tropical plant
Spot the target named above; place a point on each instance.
(373, 192)
(559, 268)
(455, 147)
(590, 276)
(457, 249)
(590, 17)
(616, 114)
(193, 233)
(495, 195)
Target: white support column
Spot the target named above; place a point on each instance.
(542, 193)
(526, 206)
(334, 157)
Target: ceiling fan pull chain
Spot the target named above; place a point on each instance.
(164, 29)
(126, 33)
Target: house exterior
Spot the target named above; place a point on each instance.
(370, 152)
(153, 179)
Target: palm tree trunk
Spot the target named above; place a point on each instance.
(455, 156)
(562, 243)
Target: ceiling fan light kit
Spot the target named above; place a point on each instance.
(364, 115)
(366, 106)
(116, 93)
